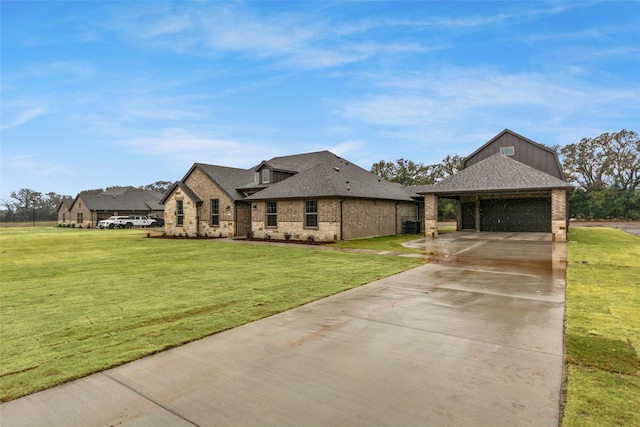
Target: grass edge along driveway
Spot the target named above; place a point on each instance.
(602, 329)
(75, 302)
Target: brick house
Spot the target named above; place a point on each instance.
(510, 184)
(64, 213)
(312, 195)
(88, 207)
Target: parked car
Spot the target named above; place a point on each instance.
(111, 222)
(135, 221)
(159, 220)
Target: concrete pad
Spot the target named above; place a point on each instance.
(474, 338)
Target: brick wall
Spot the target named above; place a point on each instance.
(189, 221)
(290, 219)
(559, 215)
(361, 218)
(88, 218)
(197, 217)
(430, 215)
(64, 216)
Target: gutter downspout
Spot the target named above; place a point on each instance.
(198, 207)
(396, 220)
(341, 219)
(236, 204)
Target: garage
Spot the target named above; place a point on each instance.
(510, 184)
(516, 215)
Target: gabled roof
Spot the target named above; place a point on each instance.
(509, 131)
(497, 173)
(526, 151)
(229, 179)
(66, 202)
(121, 199)
(317, 174)
(323, 174)
(298, 162)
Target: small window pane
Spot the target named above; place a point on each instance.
(272, 214)
(265, 176)
(180, 212)
(215, 212)
(311, 213)
(507, 151)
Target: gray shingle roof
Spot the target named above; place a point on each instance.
(317, 174)
(122, 199)
(323, 174)
(497, 173)
(229, 179)
(416, 191)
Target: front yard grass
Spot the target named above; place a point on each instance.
(603, 328)
(382, 243)
(74, 302)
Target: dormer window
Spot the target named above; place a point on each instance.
(266, 177)
(507, 151)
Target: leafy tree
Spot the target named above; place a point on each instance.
(385, 170)
(408, 172)
(405, 172)
(158, 186)
(608, 160)
(449, 166)
(622, 151)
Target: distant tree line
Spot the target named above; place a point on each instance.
(26, 205)
(407, 172)
(604, 169)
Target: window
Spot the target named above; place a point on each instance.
(79, 218)
(272, 214)
(265, 176)
(507, 151)
(215, 212)
(180, 212)
(311, 213)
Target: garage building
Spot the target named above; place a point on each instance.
(510, 184)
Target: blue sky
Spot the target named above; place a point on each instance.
(97, 94)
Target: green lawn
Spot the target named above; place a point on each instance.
(603, 328)
(74, 301)
(382, 243)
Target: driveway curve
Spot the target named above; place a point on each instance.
(474, 338)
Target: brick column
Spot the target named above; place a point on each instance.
(559, 215)
(430, 215)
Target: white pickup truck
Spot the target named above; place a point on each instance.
(111, 222)
(135, 221)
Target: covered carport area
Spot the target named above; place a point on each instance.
(500, 194)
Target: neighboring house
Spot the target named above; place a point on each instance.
(64, 215)
(317, 196)
(88, 208)
(509, 184)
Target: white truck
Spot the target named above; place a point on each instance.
(135, 221)
(111, 222)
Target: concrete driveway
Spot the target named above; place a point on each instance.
(474, 338)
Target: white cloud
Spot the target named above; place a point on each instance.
(22, 117)
(301, 40)
(459, 109)
(182, 148)
(345, 148)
